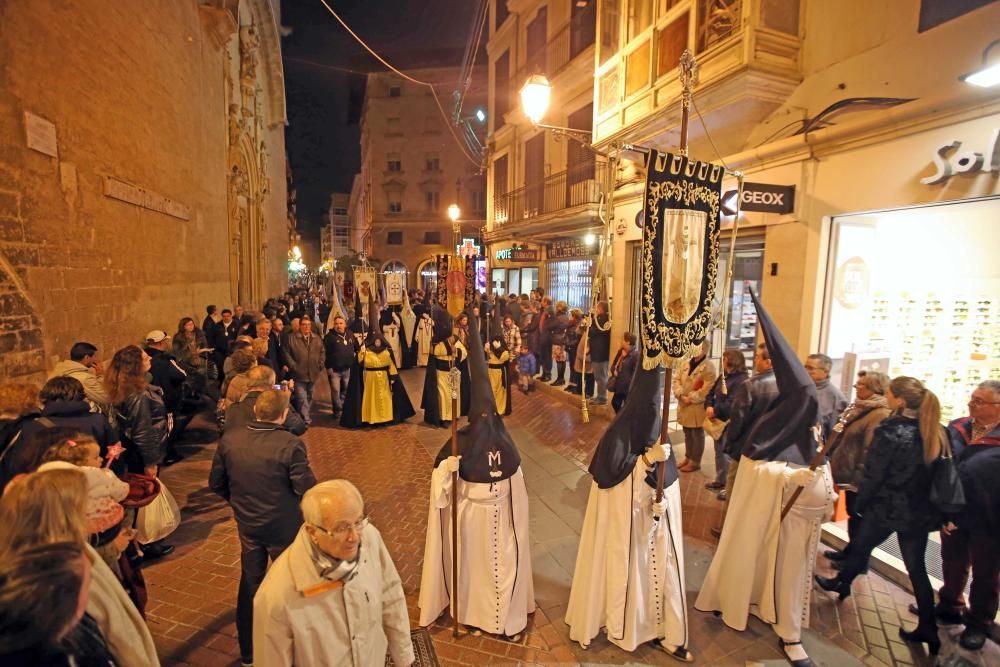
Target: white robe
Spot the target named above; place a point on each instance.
(424, 335)
(629, 575)
(391, 333)
(764, 565)
(495, 588)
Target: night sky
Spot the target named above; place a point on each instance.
(324, 79)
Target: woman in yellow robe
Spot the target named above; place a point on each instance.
(498, 361)
(380, 372)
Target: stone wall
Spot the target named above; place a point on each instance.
(136, 91)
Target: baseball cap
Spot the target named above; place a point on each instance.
(156, 335)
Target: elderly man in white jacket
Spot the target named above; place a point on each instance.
(333, 597)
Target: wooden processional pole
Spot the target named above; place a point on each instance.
(689, 77)
(453, 376)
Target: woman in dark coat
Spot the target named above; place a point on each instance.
(894, 497)
(852, 438)
(139, 409)
(65, 406)
(718, 404)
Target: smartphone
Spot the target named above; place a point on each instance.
(278, 387)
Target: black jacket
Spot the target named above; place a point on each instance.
(722, 403)
(619, 382)
(896, 487)
(555, 328)
(76, 415)
(142, 423)
(752, 399)
(262, 470)
(168, 376)
(238, 415)
(340, 350)
(223, 337)
(599, 342)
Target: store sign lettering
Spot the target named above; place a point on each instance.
(517, 254)
(761, 198)
(964, 162)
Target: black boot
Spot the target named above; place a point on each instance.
(834, 585)
(560, 373)
(925, 635)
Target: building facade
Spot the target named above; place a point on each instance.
(545, 192)
(335, 235)
(145, 179)
(412, 170)
(888, 160)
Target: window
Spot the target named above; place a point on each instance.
(534, 174)
(340, 211)
(502, 13)
(640, 16)
(394, 238)
(570, 281)
(579, 160)
(501, 202)
(610, 11)
(432, 162)
(501, 87)
(432, 238)
(583, 25)
(341, 231)
(395, 91)
(393, 162)
(607, 95)
(392, 126)
(717, 19)
(478, 201)
(535, 48)
(395, 202)
(432, 200)
(637, 69)
(670, 43)
(394, 266)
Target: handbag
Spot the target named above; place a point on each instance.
(714, 427)
(159, 518)
(947, 493)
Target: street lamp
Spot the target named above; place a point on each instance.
(535, 97)
(453, 212)
(590, 238)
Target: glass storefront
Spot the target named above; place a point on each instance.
(916, 292)
(428, 278)
(516, 281)
(569, 281)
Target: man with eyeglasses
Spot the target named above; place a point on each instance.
(831, 401)
(972, 539)
(334, 596)
(262, 470)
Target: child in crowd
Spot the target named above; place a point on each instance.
(527, 366)
(104, 493)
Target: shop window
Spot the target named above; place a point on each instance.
(428, 279)
(394, 238)
(582, 26)
(432, 238)
(610, 29)
(395, 91)
(637, 69)
(535, 46)
(670, 43)
(640, 16)
(608, 95)
(529, 279)
(717, 20)
(570, 281)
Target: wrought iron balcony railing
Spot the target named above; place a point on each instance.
(579, 185)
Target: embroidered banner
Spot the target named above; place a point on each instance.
(470, 280)
(367, 284)
(680, 255)
(456, 286)
(395, 286)
(442, 280)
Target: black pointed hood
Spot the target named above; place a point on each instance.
(443, 324)
(488, 452)
(632, 432)
(784, 431)
(375, 326)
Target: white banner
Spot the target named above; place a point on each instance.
(395, 286)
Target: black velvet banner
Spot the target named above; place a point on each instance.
(680, 255)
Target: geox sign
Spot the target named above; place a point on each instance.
(761, 198)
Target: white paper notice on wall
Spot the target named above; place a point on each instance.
(40, 134)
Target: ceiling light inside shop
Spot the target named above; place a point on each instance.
(987, 75)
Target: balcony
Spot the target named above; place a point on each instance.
(566, 199)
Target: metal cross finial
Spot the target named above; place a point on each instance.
(688, 76)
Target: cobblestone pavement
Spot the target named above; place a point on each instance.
(192, 593)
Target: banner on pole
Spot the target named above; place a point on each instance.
(367, 284)
(442, 280)
(680, 255)
(395, 286)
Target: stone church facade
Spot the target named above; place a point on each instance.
(142, 169)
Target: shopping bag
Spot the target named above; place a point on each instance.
(159, 518)
(947, 493)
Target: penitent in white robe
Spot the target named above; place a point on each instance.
(391, 333)
(424, 335)
(764, 565)
(629, 575)
(495, 588)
